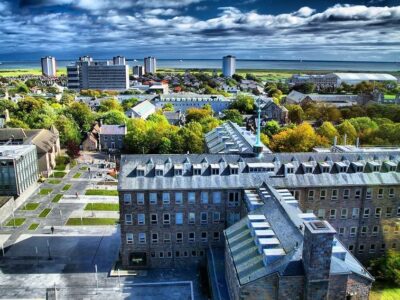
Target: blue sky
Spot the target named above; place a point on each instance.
(250, 29)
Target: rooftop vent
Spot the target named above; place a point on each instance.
(319, 225)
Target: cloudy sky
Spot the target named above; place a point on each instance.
(250, 29)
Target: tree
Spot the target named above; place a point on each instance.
(165, 145)
(129, 103)
(15, 123)
(8, 104)
(81, 113)
(305, 88)
(114, 117)
(328, 131)
(387, 267)
(73, 149)
(67, 98)
(365, 127)
(346, 128)
(264, 139)
(271, 128)
(168, 107)
(295, 113)
(68, 129)
(193, 138)
(233, 115)
(244, 104)
(197, 114)
(109, 105)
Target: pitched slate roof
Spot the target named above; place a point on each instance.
(113, 129)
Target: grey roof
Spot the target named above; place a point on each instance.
(15, 151)
(190, 97)
(231, 138)
(113, 129)
(284, 243)
(365, 76)
(246, 178)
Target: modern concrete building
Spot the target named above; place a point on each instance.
(102, 75)
(111, 137)
(228, 65)
(18, 168)
(47, 144)
(150, 65)
(183, 101)
(119, 60)
(49, 67)
(138, 71)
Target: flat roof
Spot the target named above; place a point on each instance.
(15, 151)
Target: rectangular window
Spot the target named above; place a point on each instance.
(351, 248)
(378, 212)
(332, 214)
(216, 216)
(153, 198)
(341, 230)
(154, 238)
(233, 200)
(375, 230)
(153, 219)
(161, 254)
(364, 230)
(127, 199)
(310, 196)
(142, 238)
(368, 193)
(197, 171)
(129, 238)
(192, 218)
(216, 236)
(321, 213)
(383, 247)
(204, 197)
(216, 197)
(166, 218)
(178, 198)
(128, 219)
(361, 249)
(343, 213)
(167, 237)
(140, 198)
(357, 194)
(204, 237)
(366, 213)
(380, 193)
(346, 194)
(391, 193)
(389, 211)
(179, 218)
(322, 195)
(204, 217)
(191, 197)
(165, 198)
(372, 248)
(334, 195)
(141, 219)
(214, 171)
(355, 213)
(192, 237)
(353, 231)
(398, 211)
(179, 237)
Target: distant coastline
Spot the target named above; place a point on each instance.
(242, 64)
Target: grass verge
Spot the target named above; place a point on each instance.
(33, 226)
(101, 193)
(45, 191)
(66, 187)
(84, 168)
(44, 213)
(384, 291)
(57, 198)
(102, 206)
(91, 221)
(16, 222)
(30, 206)
(77, 175)
(54, 181)
(59, 174)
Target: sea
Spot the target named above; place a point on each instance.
(240, 64)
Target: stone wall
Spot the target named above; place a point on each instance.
(358, 287)
(291, 287)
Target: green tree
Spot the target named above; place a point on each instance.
(165, 145)
(197, 114)
(129, 103)
(113, 117)
(346, 128)
(81, 113)
(233, 115)
(16, 123)
(305, 88)
(193, 137)
(243, 103)
(68, 129)
(328, 131)
(387, 267)
(271, 127)
(109, 105)
(168, 107)
(8, 104)
(295, 113)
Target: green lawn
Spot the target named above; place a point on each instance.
(57, 198)
(60, 167)
(66, 187)
(91, 221)
(19, 72)
(77, 175)
(33, 226)
(45, 191)
(102, 206)
(382, 291)
(54, 181)
(17, 221)
(389, 97)
(30, 206)
(84, 168)
(101, 193)
(44, 213)
(59, 174)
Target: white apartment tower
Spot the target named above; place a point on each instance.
(49, 68)
(150, 64)
(138, 71)
(228, 65)
(119, 60)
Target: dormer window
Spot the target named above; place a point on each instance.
(290, 170)
(308, 170)
(140, 171)
(391, 166)
(234, 169)
(178, 170)
(159, 172)
(214, 169)
(375, 166)
(325, 170)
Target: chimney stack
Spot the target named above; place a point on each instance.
(335, 141)
(358, 142)
(345, 139)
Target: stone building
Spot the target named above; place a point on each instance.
(111, 137)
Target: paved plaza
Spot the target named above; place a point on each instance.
(38, 262)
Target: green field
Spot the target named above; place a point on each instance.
(44, 213)
(91, 221)
(101, 193)
(60, 167)
(33, 226)
(66, 187)
(30, 206)
(381, 291)
(59, 174)
(102, 206)
(77, 175)
(19, 72)
(16, 221)
(54, 181)
(57, 198)
(45, 191)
